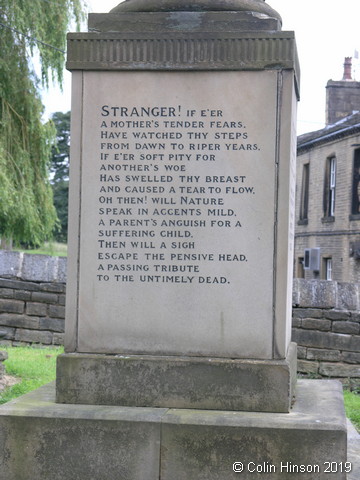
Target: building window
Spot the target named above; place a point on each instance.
(355, 204)
(328, 275)
(330, 187)
(304, 201)
(300, 268)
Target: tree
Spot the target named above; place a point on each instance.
(27, 28)
(60, 171)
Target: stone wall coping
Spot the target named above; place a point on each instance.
(326, 294)
(34, 268)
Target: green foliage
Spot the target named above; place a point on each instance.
(60, 171)
(54, 249)
(27, 213)
(61, 194)
(33, 366)
(60, 152)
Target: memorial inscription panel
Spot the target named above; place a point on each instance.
(178, 187)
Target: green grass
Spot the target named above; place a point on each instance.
(32, 366)
(352, 407)
(53, 249)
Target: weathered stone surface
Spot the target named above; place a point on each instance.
(239, 51)
(10, 263)
(57, 311)
(339, 370)
(52, 324)
(33, 336)
(42, 440)
(11, 306)
(18, 284)
(153, 21)
(19, 269)
(6, 293)
(353, 451)
(218, 318)
(308, 313)
(339, 315)
(295, 293)
(350, 357)
(352, 328)
(19, 321)
(58, 339)
(323, 354)
(348, 296)
(62, 269)
(39, 309)
(251, 6)
(39, 268)
(22, 295)
(3, 355)
(181, 382)
(52, 287)
(212, 442)
(301, 352)
(304, 366)
(316, 324)
(61, 300)
(316, 294)
(44, 297)
(296, 322)
(329, 340)
(6, 333)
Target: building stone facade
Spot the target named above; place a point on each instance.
(342, 96)
(327, 232)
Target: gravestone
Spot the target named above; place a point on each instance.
(178, 360)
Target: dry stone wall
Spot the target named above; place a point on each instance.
(32, 299)
(326, 327)
(326, 315)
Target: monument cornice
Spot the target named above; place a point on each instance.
(114, 51)
(255, 6)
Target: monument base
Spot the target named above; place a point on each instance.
(41, 439)
(177, 382)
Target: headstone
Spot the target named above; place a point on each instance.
(182, 196)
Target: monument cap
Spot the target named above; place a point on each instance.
(256, 6)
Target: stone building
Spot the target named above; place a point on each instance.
(327, 224)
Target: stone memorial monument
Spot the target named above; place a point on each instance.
(178, 360)
(182, 200)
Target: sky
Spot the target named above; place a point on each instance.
(325, 35)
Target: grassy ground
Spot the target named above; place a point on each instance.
(352, 407)
(32, 366)
(52, 248)
(36, 366)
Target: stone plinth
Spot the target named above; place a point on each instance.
(177, 382)
(40, 439)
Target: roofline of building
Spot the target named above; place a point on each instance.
(327, 137)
